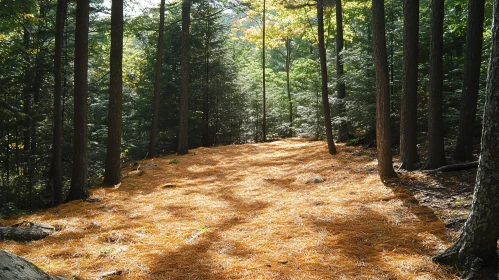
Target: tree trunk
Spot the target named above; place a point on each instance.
(471, 81)
(183, 144)
(112, 174)
(264, 121)
(288, 85)
(340, 83)
(206, 108)
(157, 82)
(409, 101)
(383, 137)
(57, 137)
(78, 189)
(325, 94)
(476, 248)
(436, 153)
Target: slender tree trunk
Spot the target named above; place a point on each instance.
(112, 174)
(476, 248)
(325, 94)
(409, 101)
(340, 83)
(288, 85)
(206, 89)
(264, 121)
(471, 81)
(57, 137)
(436, 153)
(183, 143)
(383, 136)
(157, 82)
(78, 189)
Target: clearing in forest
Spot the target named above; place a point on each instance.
(280, 210)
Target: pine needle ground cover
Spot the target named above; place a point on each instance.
(280, 210)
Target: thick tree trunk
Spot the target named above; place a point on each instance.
(264, 120)
(15, 267)
(436, 154)
(340, 83)
(383, 137)
(476, 248)
(183, 143)
(112, 174)
(408, 110)
(78, 189)
(157, 82)
(325, 93)
(57, 137)
(471, 81)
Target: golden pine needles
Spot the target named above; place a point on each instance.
(244, 212)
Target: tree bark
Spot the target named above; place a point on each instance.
(471, 81)
(112, 174)
(78, 189)
(205, 138)
(340, 83)
(325, 94)
(436, 153)
(57, 137)
(409, 101)
(264, 120)
(288, 85)
(383, 136)
(476, 248)
(157, 82)
(183, 143)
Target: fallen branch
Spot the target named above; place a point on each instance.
(455, 167)
(25, 231)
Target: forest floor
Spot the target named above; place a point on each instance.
(279, 210)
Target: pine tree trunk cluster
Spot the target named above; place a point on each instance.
(476, 248)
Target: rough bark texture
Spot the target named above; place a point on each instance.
(471, 81)
(264, 121)
(340, 83)
(408, 110)
(112, 174)
(183, 143)
(476, 247)
(78, 189)
(383, 141)
(157, 82)
(436, 154)
(14, 267)
(57, 137)
(325, 95)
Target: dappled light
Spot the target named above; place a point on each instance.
(255, 211)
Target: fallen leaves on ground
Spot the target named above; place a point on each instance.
(254, 211)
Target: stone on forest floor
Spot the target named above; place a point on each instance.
(317, 179)
(13, 267)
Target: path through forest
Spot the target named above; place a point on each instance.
(255, 211)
